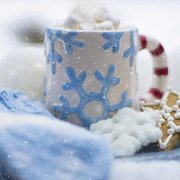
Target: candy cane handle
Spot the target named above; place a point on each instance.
(160, 68)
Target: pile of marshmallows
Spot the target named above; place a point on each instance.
(101, 19)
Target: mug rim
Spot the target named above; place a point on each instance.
(122, 29)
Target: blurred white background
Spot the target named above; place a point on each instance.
(19, 20)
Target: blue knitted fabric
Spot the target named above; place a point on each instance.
(35, 147)
(17, 102)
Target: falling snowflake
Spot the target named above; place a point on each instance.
(131, 51)
(113, 43)
(76, 83)
(69, 43)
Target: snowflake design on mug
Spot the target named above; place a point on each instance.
(131, 51)
(52, 57)
(113, 42)
(44, 87)
(76, 83)
(69, 42)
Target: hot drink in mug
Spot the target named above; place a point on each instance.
(91, 73)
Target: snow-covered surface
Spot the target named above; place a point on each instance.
(158, 18)
(31, 135)
(155, 170)
(24, 69)
(34, 147)
(164, 165)
(129, 130)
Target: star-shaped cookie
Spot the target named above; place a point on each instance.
(169, 109)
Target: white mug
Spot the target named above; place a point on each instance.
(92, 74)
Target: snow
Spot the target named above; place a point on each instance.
(157, 18)
(155, 170)
(129, 130)
(24, 69)
(34, 147)
(146, 15)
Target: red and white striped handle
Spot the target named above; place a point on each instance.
(160, 68)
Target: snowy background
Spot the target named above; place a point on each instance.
(157, 18)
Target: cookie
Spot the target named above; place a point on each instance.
(169, 109)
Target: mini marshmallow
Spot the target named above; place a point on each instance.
(178, 102)
(171, 131)
(114, 20)
(162, 146)
(86, 26)
(165, 107)
(177, 129)
(162, 112)
(106, 25)
(167, 115)
(170, 119)
(79, 11)
(174, 126)
(177, 115)
(169, 110)
(100, 14)
(170, 123)
(163, 103)
(175, 107)
(162, 121)
(81, 19)
(72, 21)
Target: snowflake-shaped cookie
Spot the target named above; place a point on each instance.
(169, 109)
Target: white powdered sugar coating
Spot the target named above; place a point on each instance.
(82, 19)
(129, 130)
(168, 115)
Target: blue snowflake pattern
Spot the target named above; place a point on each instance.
(131, 51)
(69, 41)
(113, 43)
(44, 87)
(76, 83)
(52, 56)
